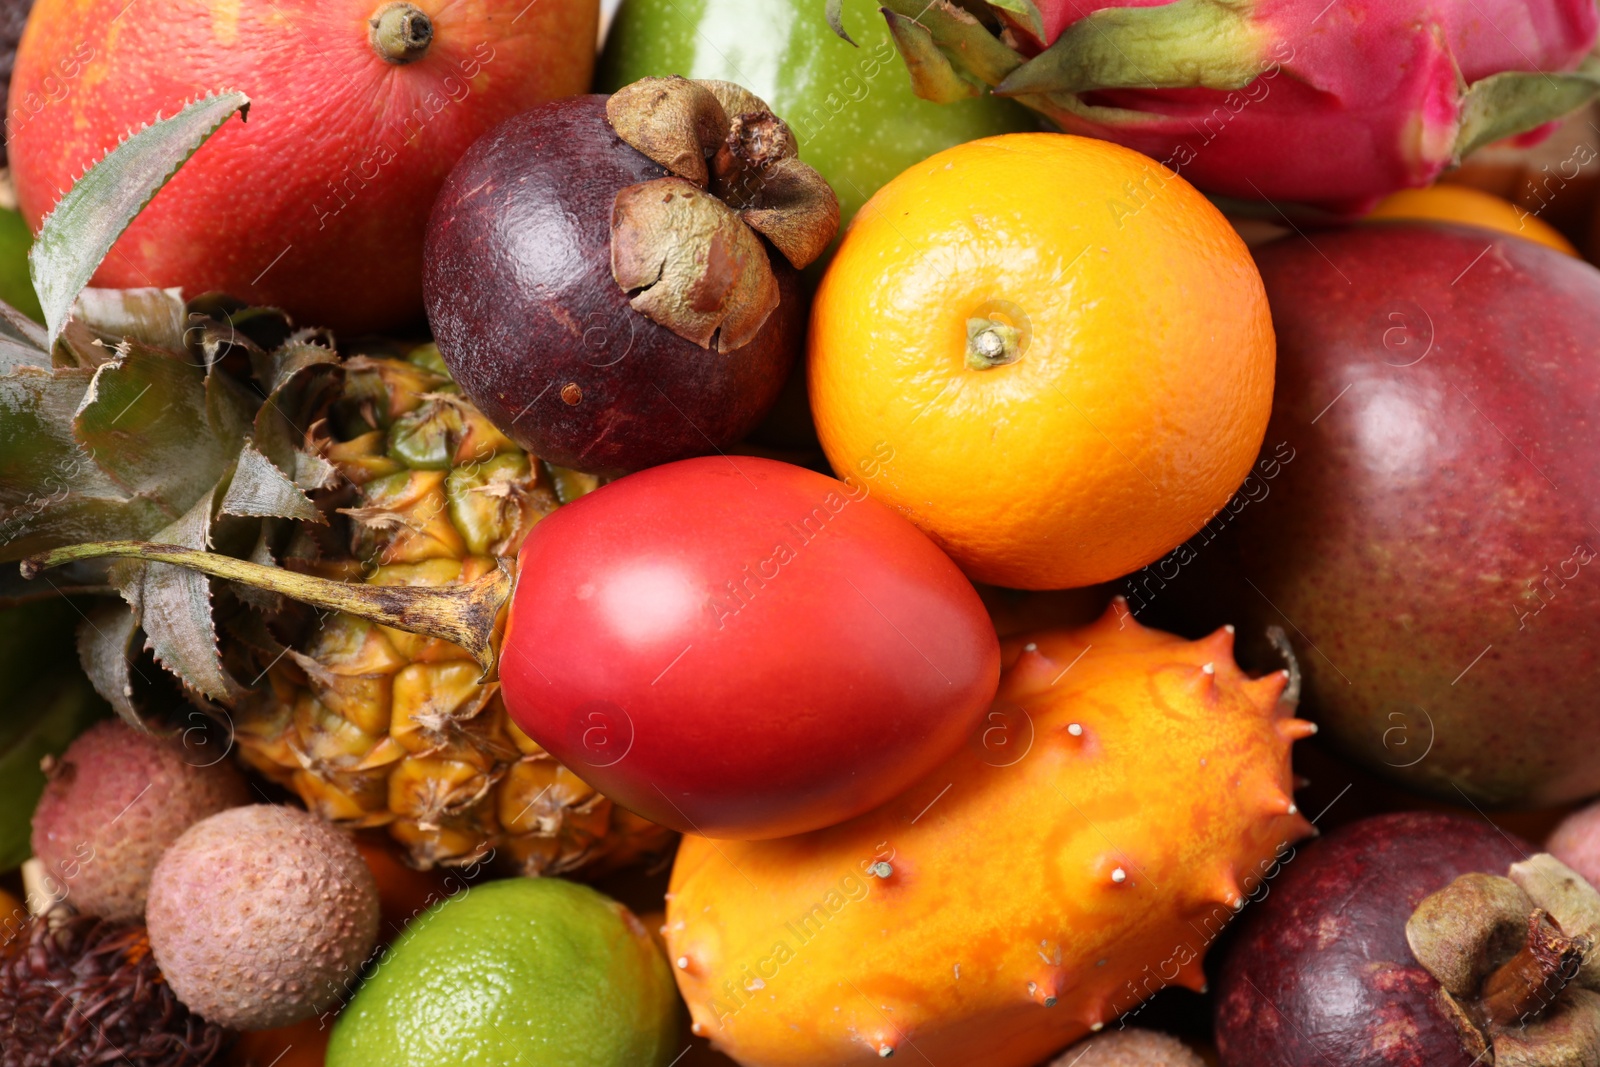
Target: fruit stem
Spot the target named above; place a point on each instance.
(992, 344)
(465, 614)
(401, 33)
(1530, 981)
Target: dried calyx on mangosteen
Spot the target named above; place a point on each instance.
(685, 247)
(1517, 963)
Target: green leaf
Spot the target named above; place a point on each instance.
(52, 490)
(150, 427)
(260, 489)
(959, 33)
(173, 604)
(155, 318)
(1026, 13)
(79, 233)
(836, 20)
(1212, 44)
(22, 341)
(108, 645)
(932, 75)
(1504, 105)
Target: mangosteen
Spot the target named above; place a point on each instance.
(1415, 940)
(614, 281)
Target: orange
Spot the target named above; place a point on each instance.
(1049, 352)
(1472, 207)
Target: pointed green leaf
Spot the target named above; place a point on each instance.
(1026, 13)
(22, 341)
(108, 644)
(260, 489)
(52, 490)
(932, 75)
(173, 605)
(835, 13)
(296, 374)
(79, 233)
(959, 33)
(147, 422)
(1212, 44)
(1504, 105)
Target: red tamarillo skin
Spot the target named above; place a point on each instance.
(317, 204)
(1321, 972)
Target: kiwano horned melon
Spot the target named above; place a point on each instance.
(1127, 792)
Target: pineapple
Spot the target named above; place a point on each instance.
(132, 416)
(373, 726)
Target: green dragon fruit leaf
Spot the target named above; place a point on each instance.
(933, 76)
(958, 32)
(1185, 44)
(173, 604)
(79, 233)
(1504, 105)
(1025, 11)
(108, 645)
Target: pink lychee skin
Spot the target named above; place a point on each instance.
(1576, 842)
(261, 917)
(1357, 99)
(1129, 1048)
(116, 799)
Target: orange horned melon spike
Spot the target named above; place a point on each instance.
(1127, 795)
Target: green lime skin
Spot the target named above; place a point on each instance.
(852, 109)
(531, 972)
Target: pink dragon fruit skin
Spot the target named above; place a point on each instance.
(1354, 98)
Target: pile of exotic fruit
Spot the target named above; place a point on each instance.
(994, 533)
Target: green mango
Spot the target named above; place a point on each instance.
(45, 701)
(852, 109)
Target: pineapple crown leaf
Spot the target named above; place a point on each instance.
(108, 644)
(100, 206)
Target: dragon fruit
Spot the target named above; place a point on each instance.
(1327, 103)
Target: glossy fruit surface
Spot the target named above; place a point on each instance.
(1137, 389)
(538, 333)
(533, 971)
(1470, 207)
(1126, 792)
(317, 204)
(857, 120)
(743, 648)
(1431, 548)
(1321, 971)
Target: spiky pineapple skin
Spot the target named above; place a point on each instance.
(371, 726)
(1127, 794)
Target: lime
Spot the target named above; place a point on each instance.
(535, 972)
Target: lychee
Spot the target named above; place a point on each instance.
(116, 799)
(262, 916)
(1129, 1048)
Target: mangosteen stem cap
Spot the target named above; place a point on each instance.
(401, 33)
(685, 247)
(1528, 983)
